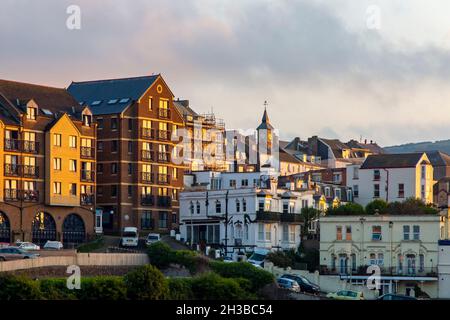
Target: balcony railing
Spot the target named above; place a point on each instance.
(163, 113)
(31, 171)
(147, 155)
(25, 195)
(163, 135)
(164, 201)
(147, 133)
(163, 157)
(87, 152)
(398, 271)
(147, 200)
(86, 199)
(278, 217)
(87, 175)
(147, 177)
(163, 178)
(21, 145)
(11, 169)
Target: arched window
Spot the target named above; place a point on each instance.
(73, 230)
(43, 228)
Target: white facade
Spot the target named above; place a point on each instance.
(257, 216)
(405, 247)
(391, 184)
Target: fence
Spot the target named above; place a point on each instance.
(80, 259)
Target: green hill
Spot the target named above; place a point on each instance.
(442, 145)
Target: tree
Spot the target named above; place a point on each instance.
(377, 204)
(146, 283)
(308, 214)
(348, 209)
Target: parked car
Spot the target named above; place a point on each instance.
(346, 295)
(152, 238)
(288, 284)
(392, 296)
(305, 284)
(130, 237)
(258, 257)
(29, 246)
(4, 244)
(15, 253)
(53, 245)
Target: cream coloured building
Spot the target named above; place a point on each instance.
(405, 247)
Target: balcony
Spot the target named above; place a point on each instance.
(87, 153)
(25, 195)
(30, 171)
(163, 178)
(147, 133)
(278, 217)
(21, 145)
(147, 200)
(163, 157)
(163, 135)
(12, 144)
(396, 271)
(30, 146)
(147, 177)
(147, 155)
(11, 169)
(164, 201)
(87, 175)
(86, 199)
(163, 113)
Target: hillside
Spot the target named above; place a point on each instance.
(442, 145)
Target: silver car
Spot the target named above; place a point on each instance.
(15, 253)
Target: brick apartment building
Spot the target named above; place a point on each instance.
(47, 165)
(137, 181)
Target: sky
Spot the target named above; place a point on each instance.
(342, 69)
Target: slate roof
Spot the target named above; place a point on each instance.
(105, 90)
(184, 109)
(53, 99)
(401, 160)
(438, 158)
(265, 122)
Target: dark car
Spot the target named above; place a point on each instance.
(305, 284)
(391, 296)
(14, 253)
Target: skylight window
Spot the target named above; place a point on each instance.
(124, 100)
(96, 103)
(47, 112)
(113, 101)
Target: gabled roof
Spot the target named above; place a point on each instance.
(336, 146)
(438, 158)
(401, 160)
(52, 99)
(104, 91)
(184, 109)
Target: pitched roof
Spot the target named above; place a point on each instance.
(401, 160)
(53, 99)
(372, 147)
(336, 146)
(265, 122)
(184, 109)
(106, 91)
(438, 158)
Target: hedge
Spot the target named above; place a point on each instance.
(146, 283)
(19, 288)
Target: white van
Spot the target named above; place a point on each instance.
(258, 257)
(130, 237)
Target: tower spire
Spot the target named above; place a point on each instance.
(265, 122)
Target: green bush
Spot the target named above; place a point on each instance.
(146, 283)
(378, 204)
(211, 286)
(348, 209)
(180, 289)
(160, 254)
(19, 288)
(91, 246)
(102, 288)
(280, 259)
(411, 206)
(56, 289)
(257, 277)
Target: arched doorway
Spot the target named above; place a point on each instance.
(43, 228)
(73, 230)
(5, 229)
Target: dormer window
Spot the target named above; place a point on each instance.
(31, 113)
(87, 119)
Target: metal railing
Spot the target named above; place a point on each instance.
(87, 152)
(86, 199)
(30, 171)
(87, 175)
(147, 200)
(400, 271)
(21, 145)
(164, 201)
(147, 155)
(163, 156)
(278, 217)
(25, 195)
(11, 169)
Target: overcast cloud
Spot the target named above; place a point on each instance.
(316, 62)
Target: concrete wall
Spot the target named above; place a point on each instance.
(80, 259)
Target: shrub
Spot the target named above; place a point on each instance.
(280, 259)
(19, 288)
(348, 209)
(211, 286)
(102, 288)
(180, 289)
(91, 246)
(56, 289)
(146, 283)
(257, 277)
(160, 254)
(378, 204)
(411, 206)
